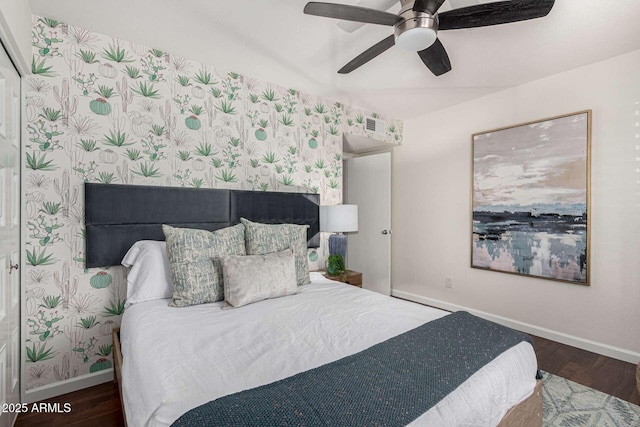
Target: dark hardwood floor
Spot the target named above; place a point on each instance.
(603, 373)
(100, 405)
(97, 406)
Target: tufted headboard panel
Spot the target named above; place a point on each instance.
(116, 216)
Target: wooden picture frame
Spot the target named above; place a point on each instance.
(531, 198)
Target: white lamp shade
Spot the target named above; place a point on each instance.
(339, 218)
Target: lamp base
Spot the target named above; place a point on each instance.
(338, 245)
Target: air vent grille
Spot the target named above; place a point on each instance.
(375, 125)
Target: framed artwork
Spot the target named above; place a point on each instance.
(530, 199)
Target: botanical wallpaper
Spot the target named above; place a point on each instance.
(100, 109)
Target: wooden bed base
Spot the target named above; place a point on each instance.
(117, 368)
(527, 413)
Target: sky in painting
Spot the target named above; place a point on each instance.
(542, 163)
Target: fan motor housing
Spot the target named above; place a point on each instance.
(412, 19)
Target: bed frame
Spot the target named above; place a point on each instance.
(527, 413)
(117, 216)
(117, 368)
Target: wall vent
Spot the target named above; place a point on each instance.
(375, 125)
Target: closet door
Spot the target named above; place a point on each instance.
(368, 185)
(10, 219)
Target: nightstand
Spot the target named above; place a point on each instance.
(351, 277)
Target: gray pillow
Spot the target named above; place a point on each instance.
(268, 238)
(253, 278)
(194, 261)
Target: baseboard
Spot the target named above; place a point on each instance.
(592, 346)
(68, 386)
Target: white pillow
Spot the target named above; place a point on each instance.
(149, 277)
(253, 278)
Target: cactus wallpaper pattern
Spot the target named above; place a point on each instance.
(100, 109)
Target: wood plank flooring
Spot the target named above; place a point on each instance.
(97, 406)
(100, 405)
(608, 375)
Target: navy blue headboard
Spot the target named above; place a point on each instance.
(117, 216)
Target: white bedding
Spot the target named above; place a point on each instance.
(176, 359)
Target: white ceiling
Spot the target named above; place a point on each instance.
(274, 41)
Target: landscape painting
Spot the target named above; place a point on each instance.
(531, 199)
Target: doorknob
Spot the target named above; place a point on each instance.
(385, 232)
(13, 267)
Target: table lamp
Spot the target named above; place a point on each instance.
(338, 219)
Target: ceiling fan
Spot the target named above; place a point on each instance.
(418, 22)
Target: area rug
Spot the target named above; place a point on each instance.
(568, 404)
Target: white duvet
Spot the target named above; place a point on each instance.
(176, 359)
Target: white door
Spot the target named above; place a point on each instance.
(368, 185)
(9, 238)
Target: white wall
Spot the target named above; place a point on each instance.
(432, 210)
(15, 31)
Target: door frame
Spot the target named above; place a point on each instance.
(8, 42)
(11, 47)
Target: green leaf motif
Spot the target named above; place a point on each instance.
(146, 91)
(36, 258)
(116, 308)
(148, 170)
(40, 352)
(226, 107)
(40, 68)
(116, 54)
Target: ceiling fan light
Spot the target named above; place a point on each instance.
(416, 39)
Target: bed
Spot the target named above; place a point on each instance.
(169, 361)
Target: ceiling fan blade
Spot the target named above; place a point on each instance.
(351, 13)
(368, 55)
(351, 26)
(429, 6)
(436, 59)
(484, 15)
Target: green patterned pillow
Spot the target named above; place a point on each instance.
(194, 261)
(268, 238)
